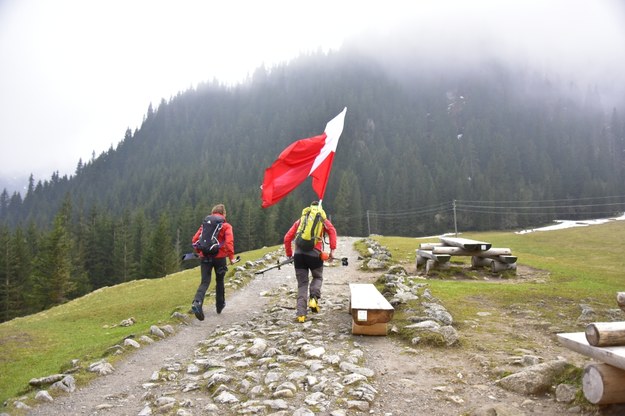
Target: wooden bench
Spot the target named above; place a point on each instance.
(369, 309)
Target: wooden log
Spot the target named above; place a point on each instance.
(477, 261)
(466, 243)
(421, 260)
(429, 246)
(605, 334)
(494, 265)
(497, 266)
(441, 258)
(457, 251)
(429, 265)
(620, 299)
(603, 384)
(505, 259)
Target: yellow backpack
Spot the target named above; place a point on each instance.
(310, 227)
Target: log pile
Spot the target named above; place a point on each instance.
(603, 382)
(438, 255)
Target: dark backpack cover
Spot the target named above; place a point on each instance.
(208, 243)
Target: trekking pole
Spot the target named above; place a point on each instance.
(325, 257)
(193, 256)
(275, 266)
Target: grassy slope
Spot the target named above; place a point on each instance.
(44, 343)
(585, 264)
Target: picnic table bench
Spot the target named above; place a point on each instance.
(370, 310)
(437, 255)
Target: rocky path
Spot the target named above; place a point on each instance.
(254, 358)
(155, 377)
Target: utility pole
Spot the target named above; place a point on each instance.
(455, 219)
(368, 224)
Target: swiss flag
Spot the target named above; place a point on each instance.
(306, 157)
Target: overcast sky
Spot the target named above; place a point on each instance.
(74, 74)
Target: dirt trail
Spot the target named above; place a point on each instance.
(130, 374)
(409, 380)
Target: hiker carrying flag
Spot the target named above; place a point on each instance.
(308, 232)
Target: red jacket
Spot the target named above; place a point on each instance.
(328, 229)
(225, 237)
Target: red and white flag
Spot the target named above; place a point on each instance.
(306, 157)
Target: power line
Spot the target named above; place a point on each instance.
(550, 208)
(531, 213)
(542, 201)
(473, 212)
(458, 205)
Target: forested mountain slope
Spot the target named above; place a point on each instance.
(414, 146)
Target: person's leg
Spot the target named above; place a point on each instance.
(314, 291)
(316, 283)
(205, 269)
(302, 291)
(301, 274)
(221, 267)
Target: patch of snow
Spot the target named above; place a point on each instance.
(562, 224)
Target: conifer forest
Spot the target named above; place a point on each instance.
(422, 152)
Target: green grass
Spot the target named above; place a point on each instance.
(45, 343)
(584, 264)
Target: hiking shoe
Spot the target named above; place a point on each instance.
(221, 307)
(196, 307)
(301, 319)
(313, 304)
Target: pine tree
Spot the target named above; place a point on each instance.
(6, 277)
(52, 273)
(123, 266)
(160, 257)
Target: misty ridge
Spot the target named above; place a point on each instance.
(575, 54)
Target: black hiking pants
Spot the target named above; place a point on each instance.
(206, 267)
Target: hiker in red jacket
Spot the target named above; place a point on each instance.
(305, 260)
(218, 261)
